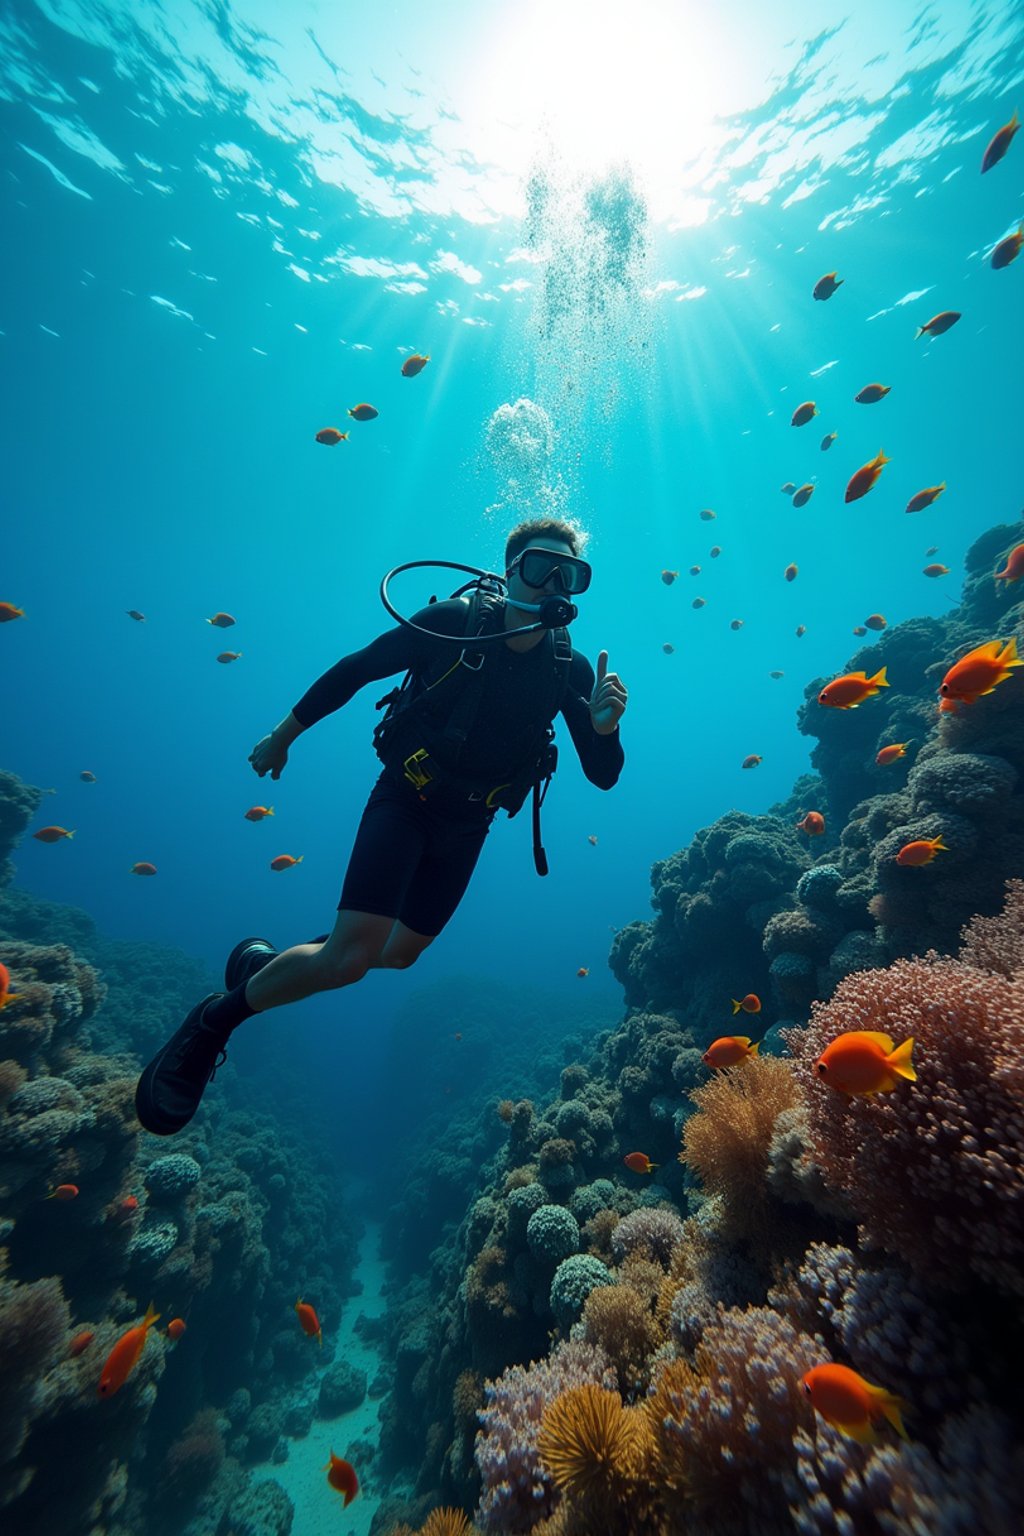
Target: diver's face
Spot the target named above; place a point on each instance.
(520, 591)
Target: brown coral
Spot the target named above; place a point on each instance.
(594, 1449)
(724, 1430)
(956, 1135)
(446, 1521)
(728, 1140)
(616, 1319)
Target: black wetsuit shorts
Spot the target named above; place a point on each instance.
(412, 858)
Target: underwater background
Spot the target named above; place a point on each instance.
(223, 227)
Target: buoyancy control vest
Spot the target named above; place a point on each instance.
(430, 715)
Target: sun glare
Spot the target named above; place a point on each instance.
(594, 84)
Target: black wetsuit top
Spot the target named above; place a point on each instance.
(507, 708)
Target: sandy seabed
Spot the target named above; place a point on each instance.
(319, 1509)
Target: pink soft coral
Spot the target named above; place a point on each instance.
(935, 1169)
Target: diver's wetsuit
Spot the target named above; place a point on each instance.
(413, 859)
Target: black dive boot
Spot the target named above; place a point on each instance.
(247, 957)
(170, 1088)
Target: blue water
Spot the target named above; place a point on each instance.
(223, 227)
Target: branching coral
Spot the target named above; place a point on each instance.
(956, 1135)
(616, 1319)
(724, 1428)
(516, 1492)
(728, 1140)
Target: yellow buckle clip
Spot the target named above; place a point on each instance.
(413, 768)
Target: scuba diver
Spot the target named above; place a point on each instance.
(468, 733)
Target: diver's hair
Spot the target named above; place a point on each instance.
(523, 534)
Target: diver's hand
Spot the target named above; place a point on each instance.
(268, 756)
(608, 700)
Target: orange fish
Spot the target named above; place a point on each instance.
(749, 1004)
(788, 488)
(890, 753)
(826, 286)
(669, 649)
(859, 630)
(694, 570)
(127, 1207)
(9, 612)
(935, 570)
(226, 656)
(853, 688)
(309, 1321)
(639, 1162)
(221, 620)
(939, 323)
(668, 577)
(920, 852)
(81, 1342)
(143, 867)
(999, 144)
(87, 777)
(803, 414)
(813, 824)
(133, 613)
(176, 1327)
(800, 631)
(1008, 250)
(592, 840)
(922, 499)
(872, 392)
(850, 1404)
(803, 495)
(828, 440)
(864, 1062)
(5, 982)
(285, 861)
(736, 623)
(875, 621)
(1014, 567)
(698, 602)
(258, 812)
(363, 412)
(707, 516)
(980, 671)
(715, 551)
(64, 1192)
(753, 761)
(414, 365)
(124, 1355)
(729, 1050)
(860, 483)
(341, 1474)
(790, 572)
(331, 436)
(52, 834)
(583, 971)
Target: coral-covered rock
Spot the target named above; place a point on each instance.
(572, 1283)
(342, 1389)
(170, 1179)
(552, 1233)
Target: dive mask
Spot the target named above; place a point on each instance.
(538, 566)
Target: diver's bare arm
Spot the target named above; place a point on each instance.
(285, 733)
